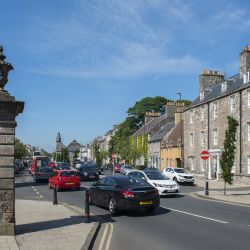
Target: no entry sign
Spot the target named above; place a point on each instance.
(204, 155)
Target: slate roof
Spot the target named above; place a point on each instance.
(174, 135)
(155, 123)
(74, 146)
(234, 84)
(162, 132)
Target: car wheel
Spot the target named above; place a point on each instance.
(113, 206)
(150, 209)
(78, 189)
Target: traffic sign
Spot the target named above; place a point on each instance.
(205, 155)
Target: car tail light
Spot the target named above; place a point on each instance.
(127, 194)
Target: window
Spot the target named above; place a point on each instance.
(248, 98)
(203, 165)
(248, 164)
(248, 131)
(192, 163)
(202, 113)
(191, 139)
(223, 86)
(191, 116)
(215, 106)
(203, 138)
(215, 137)
(232, 103)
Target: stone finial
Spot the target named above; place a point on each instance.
(4, 69)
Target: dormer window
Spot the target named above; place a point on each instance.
(223, 86)
(246, 78)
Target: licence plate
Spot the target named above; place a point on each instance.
(171, 191)
(91, 176)
(69, 183)
(146, 202)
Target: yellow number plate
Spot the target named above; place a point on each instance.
(146, 202)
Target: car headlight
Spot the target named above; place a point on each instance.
(97, 173)
(181, 177)
(157, 185)
(85, 173)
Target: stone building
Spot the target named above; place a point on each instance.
(205, 121)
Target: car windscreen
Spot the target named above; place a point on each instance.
(68, 173)
(131, 182)
(127, 167)
(154, 175)
(180, 170)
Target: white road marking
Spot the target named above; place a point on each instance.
(103, 237)
(109, 237)
(41, 196)
(196, 215)
(37, 193)
(35, 189)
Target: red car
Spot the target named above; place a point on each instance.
(117, 168)
(64, 179)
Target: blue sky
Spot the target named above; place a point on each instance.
(79, 65)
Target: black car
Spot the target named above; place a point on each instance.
(124, 193)
(42, 173)
(88, 172)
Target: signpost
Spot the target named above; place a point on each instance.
(205, 156)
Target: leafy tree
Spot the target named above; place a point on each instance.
(75, 156)
(20, 149)
(228, 153)
(65, 155)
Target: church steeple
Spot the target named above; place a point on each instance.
(58, 138)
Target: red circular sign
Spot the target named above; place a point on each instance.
(204, 155)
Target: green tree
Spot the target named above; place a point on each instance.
(75, 156)
(65, 155)
(20, 149)
(228, 153)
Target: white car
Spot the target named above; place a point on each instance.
(179, 175)
(157, 180)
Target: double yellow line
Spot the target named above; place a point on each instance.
(107, 233)
(106, 237)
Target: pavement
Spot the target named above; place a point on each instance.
(235, 193)
(42, 225)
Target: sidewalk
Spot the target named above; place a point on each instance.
(236, 193)
(42, 225)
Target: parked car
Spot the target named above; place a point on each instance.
(158, 180)
(88, 172)
(64, 179)
(117, 168)
(125, 169)
(37, 162)
(52, 164)
(179, 175)
(42, 173)
(119, 193)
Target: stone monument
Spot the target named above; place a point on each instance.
(9, 109)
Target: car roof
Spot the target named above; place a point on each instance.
(64, 170)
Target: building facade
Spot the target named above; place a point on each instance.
(205, 121)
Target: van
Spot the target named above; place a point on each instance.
(38, 162)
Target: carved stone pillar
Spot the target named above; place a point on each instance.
(9, 109)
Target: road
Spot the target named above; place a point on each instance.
(181, 222)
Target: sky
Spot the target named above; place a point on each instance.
(80, 64)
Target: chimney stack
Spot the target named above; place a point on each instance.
(150, 116)
(208, 78)
(179, 111)
(244, 61)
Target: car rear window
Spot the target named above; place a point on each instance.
(45, 170)
(69, 173)
(131, 182)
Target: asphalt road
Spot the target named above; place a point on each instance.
(180, 223)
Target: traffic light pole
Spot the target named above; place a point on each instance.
(206, 179)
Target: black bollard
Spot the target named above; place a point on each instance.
(87, 214)
(55, 196)
(206, 188)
